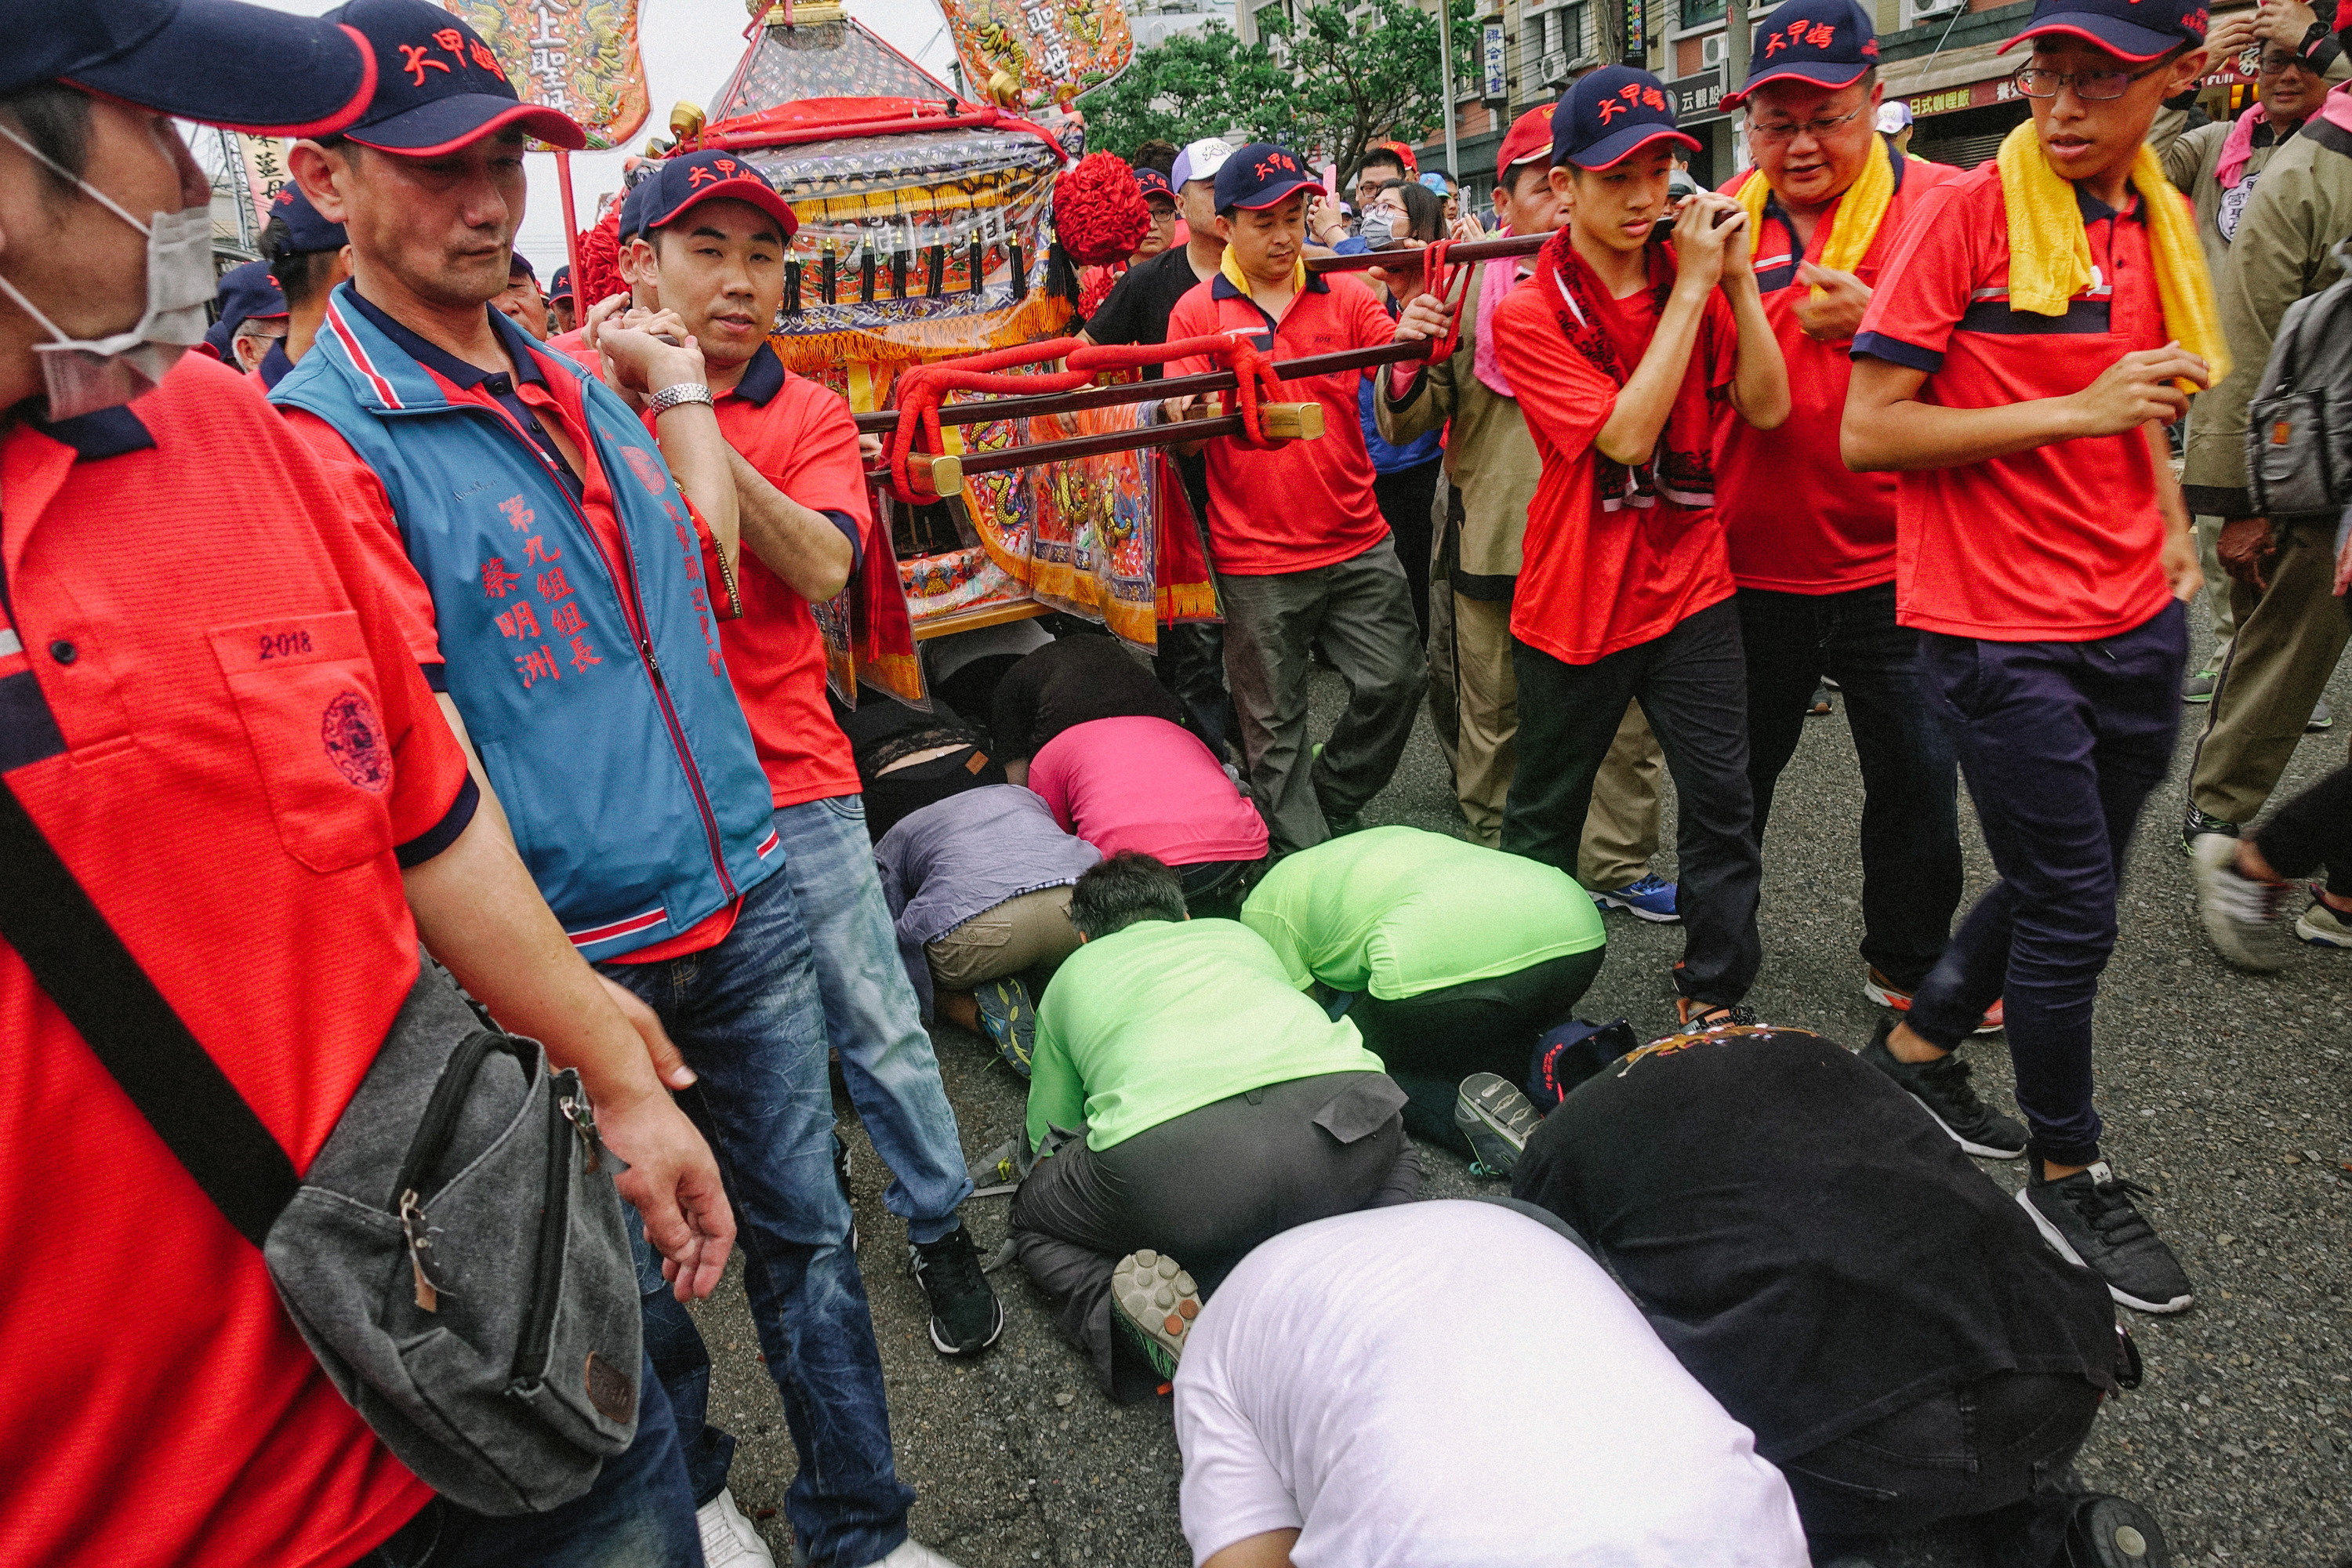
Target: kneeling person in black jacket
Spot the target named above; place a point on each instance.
(1840, 1275)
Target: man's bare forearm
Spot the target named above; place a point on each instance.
(697, 457)
(801, 546)
(480, 914)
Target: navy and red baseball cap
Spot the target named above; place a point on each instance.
(1823, 43)
(247, 293)
(1610, 114)
(306, 231)
(214, 61)
(559, 285)
(1152, 182)
(437, 85)
(2131, 29)
(679, 184)
(1260, 174)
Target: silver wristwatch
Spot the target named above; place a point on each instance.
(684, 392)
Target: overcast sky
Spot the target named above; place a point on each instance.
(690, 48)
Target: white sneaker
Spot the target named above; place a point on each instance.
(2240, 915)
(911, 1554)
(730, 1540)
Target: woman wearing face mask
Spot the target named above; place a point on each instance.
(1405, 479)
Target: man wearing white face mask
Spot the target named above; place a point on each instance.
(194, 639)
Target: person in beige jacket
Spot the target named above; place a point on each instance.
(2290, 628)
(1491, 459)
(2218, 166)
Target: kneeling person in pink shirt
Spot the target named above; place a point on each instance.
(1151, 786)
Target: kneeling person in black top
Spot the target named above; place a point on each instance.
(1836, 1272)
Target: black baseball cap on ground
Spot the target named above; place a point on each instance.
(217, 62)
(438, 87)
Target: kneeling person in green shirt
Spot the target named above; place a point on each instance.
(1464, 956)
(1220, 1106)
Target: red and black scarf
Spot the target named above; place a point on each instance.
(1681, 469)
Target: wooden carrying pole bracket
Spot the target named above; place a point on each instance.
(934, 475)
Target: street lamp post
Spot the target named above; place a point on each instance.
(1445, 75)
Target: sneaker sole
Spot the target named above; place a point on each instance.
(1636, 910)
(1136, 1287)
(1982, 1151)
(1896, 1002)
(2065, 1249)
(1498, 1146)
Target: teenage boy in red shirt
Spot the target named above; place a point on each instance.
(1618, 350)
(1301, 552)
(1812, 545)
(704, 244)
(2044, 553)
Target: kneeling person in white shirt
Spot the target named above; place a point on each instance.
(1340, 1399)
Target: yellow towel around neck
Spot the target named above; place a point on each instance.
(1860, 211)
(2050, 253)
(1232, 267)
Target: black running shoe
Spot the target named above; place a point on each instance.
(1943, 1090)
(2195, 824)
(966, 1316)
(2091, 1220)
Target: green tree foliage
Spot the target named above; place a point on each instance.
(1196, 84)
(1323, 81)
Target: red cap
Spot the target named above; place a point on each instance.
(1529, 138)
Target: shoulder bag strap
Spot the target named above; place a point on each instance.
(77, 958)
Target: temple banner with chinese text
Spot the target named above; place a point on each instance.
(578, 56)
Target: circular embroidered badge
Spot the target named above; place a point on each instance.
(354, 741)
(647, 467)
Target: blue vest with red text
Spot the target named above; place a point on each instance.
(625, 766)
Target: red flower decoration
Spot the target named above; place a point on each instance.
(600, 264)
(1098, 211)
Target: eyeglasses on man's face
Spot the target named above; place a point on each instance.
(1774, 133)
(2091, 86)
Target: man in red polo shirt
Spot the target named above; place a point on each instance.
(2044, 553)
(1618, 350)
(1813, 546)
(576, 567)
(1302, 555)
(704, 245)
(162, 680)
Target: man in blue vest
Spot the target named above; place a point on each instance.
(572, 588)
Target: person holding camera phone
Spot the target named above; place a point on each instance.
(1616, 349)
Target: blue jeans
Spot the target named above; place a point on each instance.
(871, 1015)
(637, 1515)
(2061, 743)
(747, 1015)
(1910, 790)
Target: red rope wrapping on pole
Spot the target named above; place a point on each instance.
(923, 387)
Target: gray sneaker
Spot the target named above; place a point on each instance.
(2239, 914)
(2320, 719)
(2322, 926)
(2198, 688)
(1497, 1119)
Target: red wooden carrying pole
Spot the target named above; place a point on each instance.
(985, 411)
(571, 222)
(1455, 255)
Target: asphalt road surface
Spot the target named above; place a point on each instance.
(2226, 1093)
